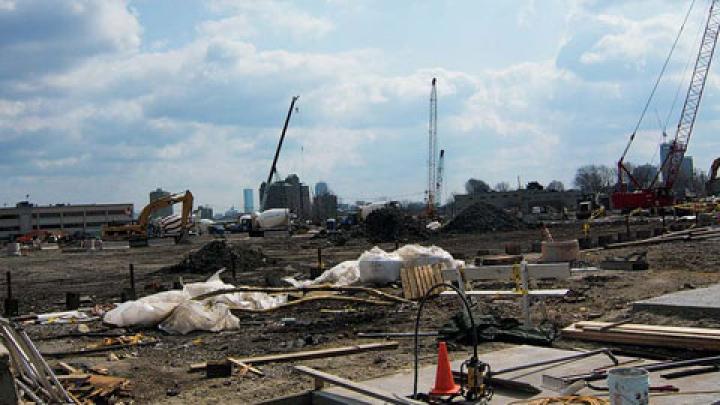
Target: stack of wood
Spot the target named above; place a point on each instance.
(645, 335)
(417, 281)
(92, 388)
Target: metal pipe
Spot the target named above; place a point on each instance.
(36, 353)
(605, 351)
(29, 392)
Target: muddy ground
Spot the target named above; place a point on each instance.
(160, 373)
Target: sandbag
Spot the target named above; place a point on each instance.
(377, 266)
(147, 311)
(194, 315)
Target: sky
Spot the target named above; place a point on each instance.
(104, 101)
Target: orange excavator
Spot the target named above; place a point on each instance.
(137, 233)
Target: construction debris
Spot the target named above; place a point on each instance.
(306, 355)
(482, 217)
(219, 254)
(390, 224)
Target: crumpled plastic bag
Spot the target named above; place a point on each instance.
(195, 315)
(433, 226)
(345, 273)
(213, 283)
(377, 266)
(147, 311)
(416, 255)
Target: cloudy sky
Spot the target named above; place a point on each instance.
(102, 101)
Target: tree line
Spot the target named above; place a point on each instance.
(591, 179)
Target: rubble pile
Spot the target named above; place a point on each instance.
(390, 224)
(482, 217)
(219, 254)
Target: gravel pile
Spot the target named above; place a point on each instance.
(482, 217)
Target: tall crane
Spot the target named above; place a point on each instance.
(432, 151)
(273, 168)
(661, 195)
(439, 183)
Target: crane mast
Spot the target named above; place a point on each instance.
(273, 168)
(692, 100)
(432, 151)
(439, 184)
(662, 196)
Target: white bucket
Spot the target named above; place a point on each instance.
(628, 386)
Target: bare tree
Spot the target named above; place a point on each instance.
(475, 186)
(502, 186)
(594, 178)
(556, 185)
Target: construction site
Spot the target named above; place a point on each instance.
(605, 293)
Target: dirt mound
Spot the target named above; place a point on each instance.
(390, 224)
(483, 217)
(217, 254)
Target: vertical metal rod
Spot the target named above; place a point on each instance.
(8, 277)
(132, 276)
(319, 256)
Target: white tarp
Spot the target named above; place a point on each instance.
(354, 271)
(345, 273)
(176, 312)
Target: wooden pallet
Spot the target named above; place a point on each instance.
(416, 281)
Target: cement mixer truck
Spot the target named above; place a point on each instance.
(272, 222)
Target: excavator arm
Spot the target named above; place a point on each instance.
(139, 229)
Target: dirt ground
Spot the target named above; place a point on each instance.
(160, 374)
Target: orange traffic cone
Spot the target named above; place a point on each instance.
(444, 383)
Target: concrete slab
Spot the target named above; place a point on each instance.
(402, 383)
(700, 302)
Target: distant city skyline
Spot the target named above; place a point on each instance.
(193, 94)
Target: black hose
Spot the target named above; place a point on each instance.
(465, 302)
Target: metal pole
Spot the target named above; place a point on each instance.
(319, 255)
(525, 296)
(132, 276)
(8, 277)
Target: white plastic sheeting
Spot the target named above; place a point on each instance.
(416, 255)
(345, 273)
(433, 226)
(176, 312)
(379, 267)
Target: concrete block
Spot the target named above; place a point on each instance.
(697, 303)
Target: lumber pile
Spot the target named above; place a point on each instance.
(645, 335)
(417, 281)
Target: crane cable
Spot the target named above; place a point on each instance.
(657, 82)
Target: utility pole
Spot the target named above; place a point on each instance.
(432, 151)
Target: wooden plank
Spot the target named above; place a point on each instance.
(639, 339)
(510, 293)
(246, 366)
(383, 396)
(651, 328)
(308, 355)
(413, 283)
(407, 293)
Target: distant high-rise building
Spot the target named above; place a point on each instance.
(321, 188)
(248, 200)
(162, 212)
(205, 212)
(289, 193)
(686, 167)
